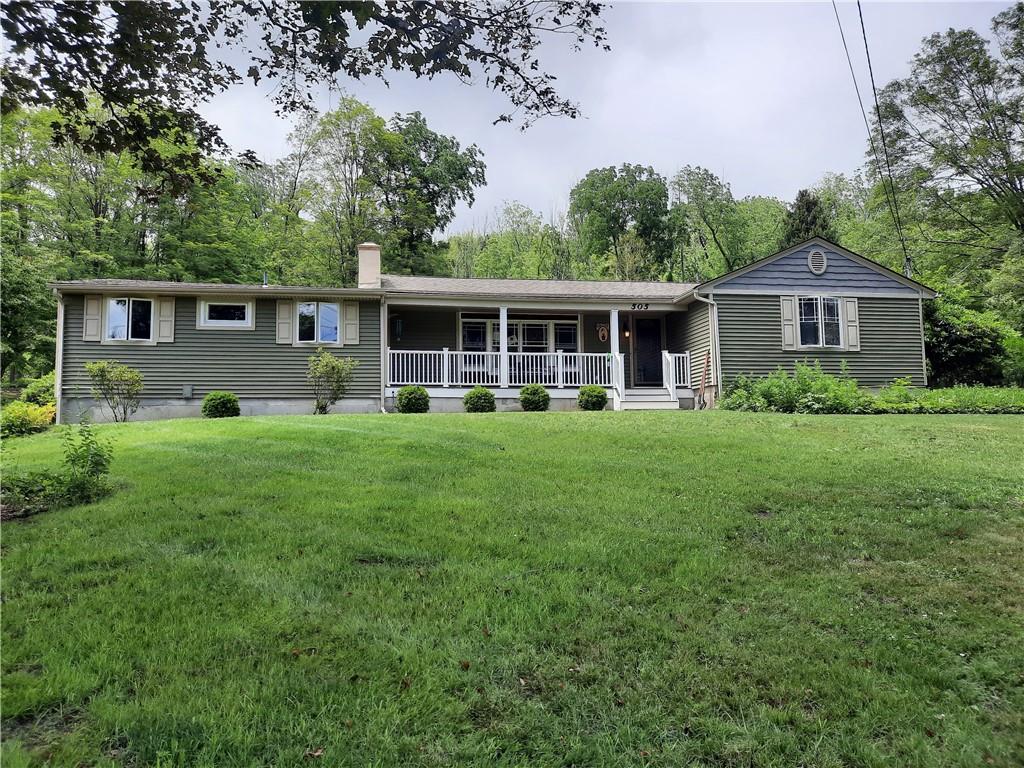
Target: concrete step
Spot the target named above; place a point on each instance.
(648, 404)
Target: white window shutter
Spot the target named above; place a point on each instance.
(284, 322)
(92, 319)
(788, 322)
(350, 322)
(165, 319)
(852, 321)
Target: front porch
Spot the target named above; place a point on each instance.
(449, 350)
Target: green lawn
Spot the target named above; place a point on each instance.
(715, 589)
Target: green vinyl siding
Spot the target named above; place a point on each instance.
(750, 338)
(690, 331)
(247, 362)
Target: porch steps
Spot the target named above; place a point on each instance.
(655, 398)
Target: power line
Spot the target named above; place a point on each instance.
(891, 201)
(908, 266)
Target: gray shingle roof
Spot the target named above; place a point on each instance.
(546, 289)
(169, 286)
(592, 290)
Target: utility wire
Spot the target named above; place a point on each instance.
(908, 265)
(890, 201)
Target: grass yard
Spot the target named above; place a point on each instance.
(713, 589)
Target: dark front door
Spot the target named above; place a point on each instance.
(647, 351)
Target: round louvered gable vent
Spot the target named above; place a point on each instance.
(817, 262)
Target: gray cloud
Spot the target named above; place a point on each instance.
(759, 93)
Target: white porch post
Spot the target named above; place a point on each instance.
(446, 376)
(613, 338)
(613, 332)
(503, 347)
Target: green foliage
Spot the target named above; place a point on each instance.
(329, 377)
(534, 397)
(220, 405)
(807, 390)
(41, 391)
(118, 385)
(810, 390)
(623, 219)
(592, 398)
(478, 400)
(806, 219)
(23, 418)
(81, 480)
(1013, 360)
(152, 63)
(412, 399)
(962, 345)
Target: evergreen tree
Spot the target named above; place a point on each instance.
(806, 219)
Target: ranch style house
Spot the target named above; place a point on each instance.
(650, 344)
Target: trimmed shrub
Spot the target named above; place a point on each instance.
(21, 418)
(40, 391)
(592, 397)
(329, 377)
(82, 478)
(119, 386)
(479, 400)
(412, 399)
(220, 405)
(533, 397)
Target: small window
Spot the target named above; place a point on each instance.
(535, 337)
(820, 323)
(129, 319)
(319, 322)
(474, 335)
(566, 338)
(226, 314)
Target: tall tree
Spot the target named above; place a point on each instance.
(613, 202)
(956, 123)
(151, 63)
(807, 218)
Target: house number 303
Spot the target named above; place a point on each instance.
(640, 306)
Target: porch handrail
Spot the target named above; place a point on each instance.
(456, 368)
(676, 369)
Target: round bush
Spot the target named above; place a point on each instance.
(479, 400)
(219, 405)
(533, 397)
(592, 398)
(412, 400)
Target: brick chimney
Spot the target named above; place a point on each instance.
(369, 265)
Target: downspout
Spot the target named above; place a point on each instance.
(58, 364)
(716, 359)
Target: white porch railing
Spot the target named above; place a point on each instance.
(675, 370)
(447, 368)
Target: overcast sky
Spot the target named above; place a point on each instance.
(759, 93)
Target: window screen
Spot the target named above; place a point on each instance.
(328, 323)
(830, 322)
(117, 319)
